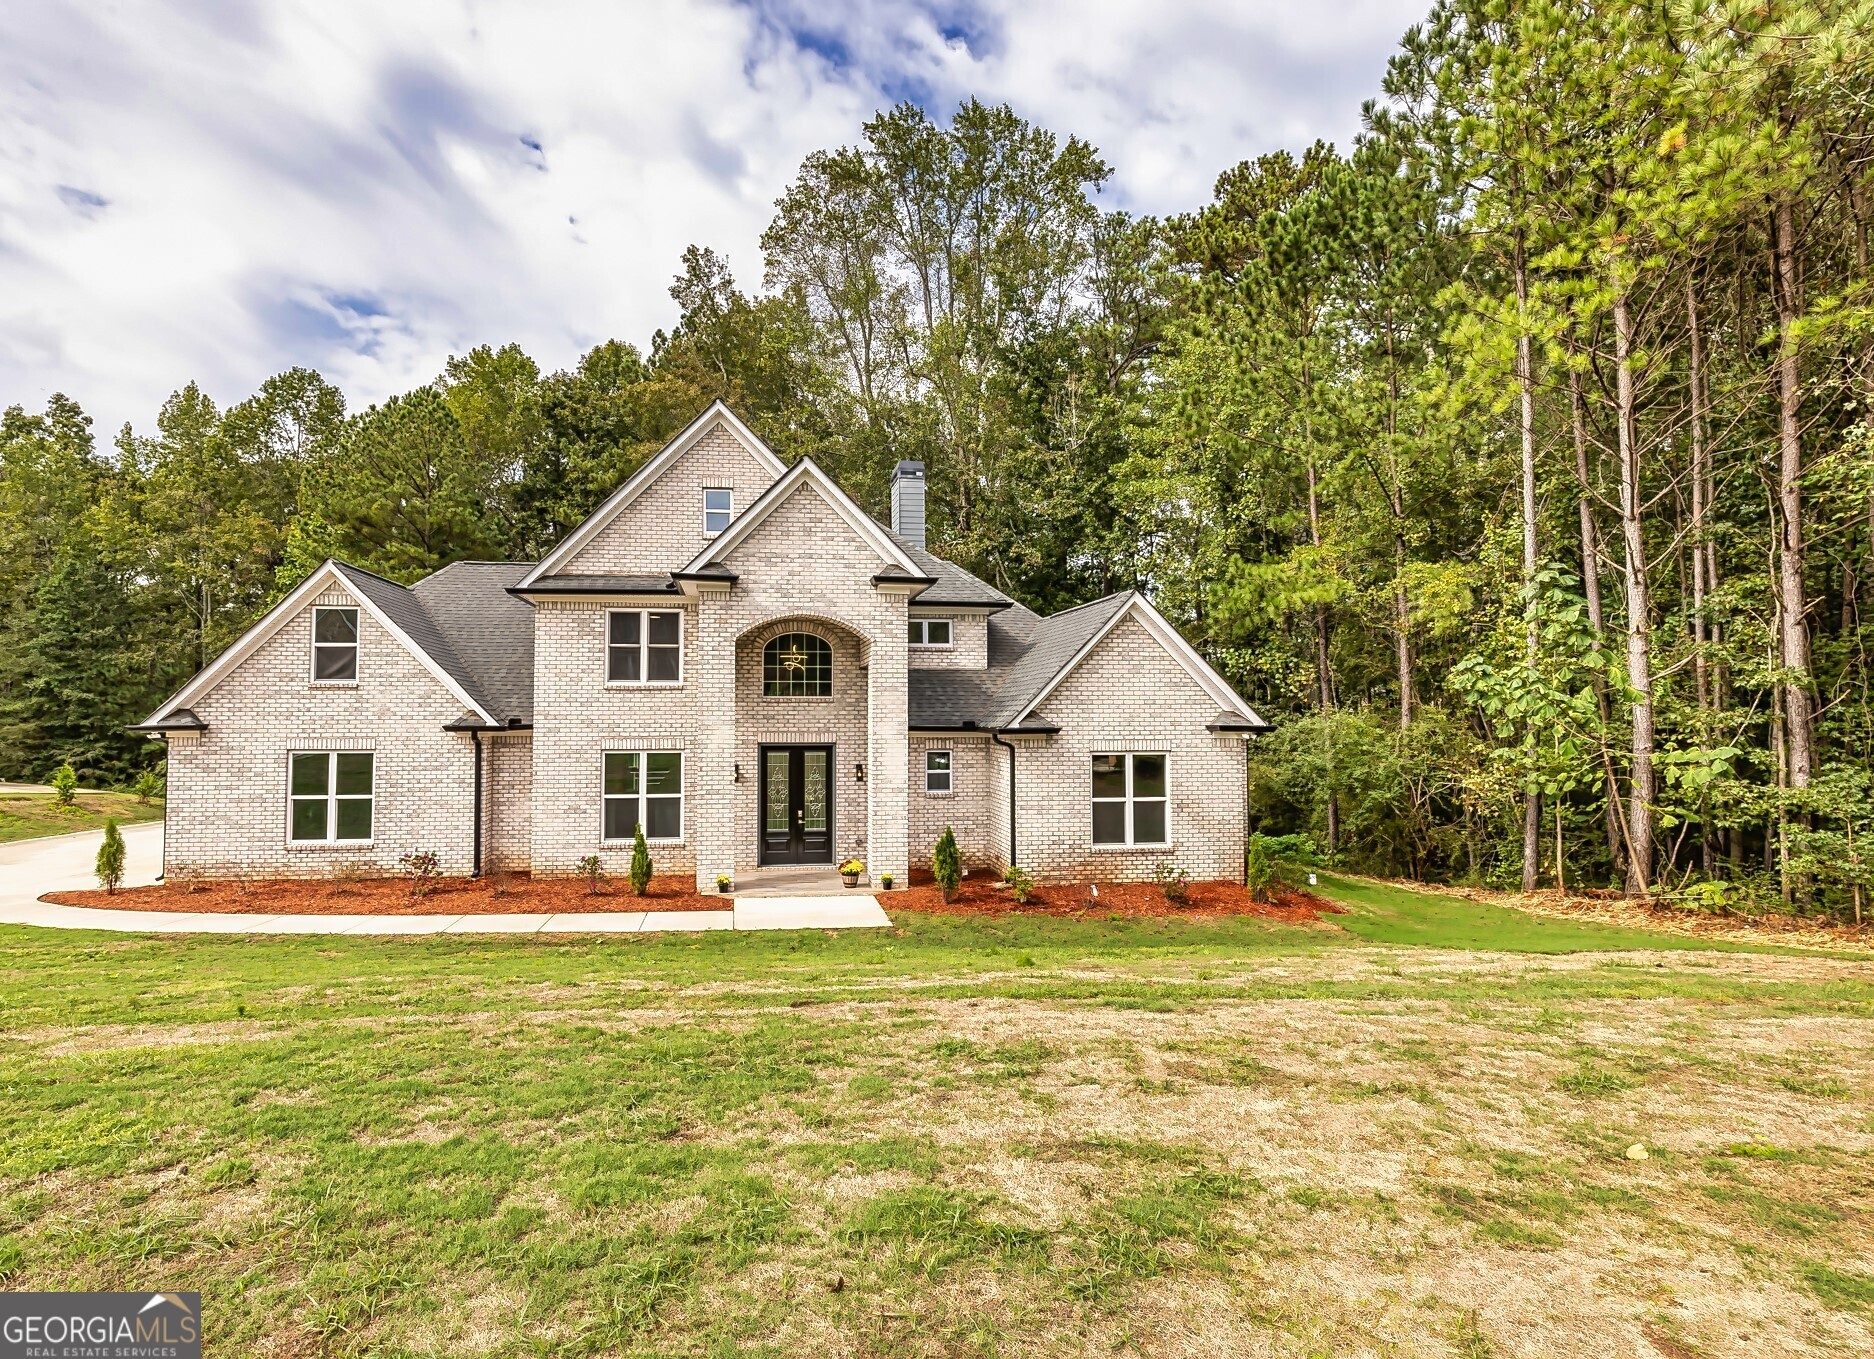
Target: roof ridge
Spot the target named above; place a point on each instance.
(1117, 594)
(366, 571)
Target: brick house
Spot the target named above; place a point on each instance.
(730, 652)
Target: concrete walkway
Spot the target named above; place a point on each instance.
(63, 863)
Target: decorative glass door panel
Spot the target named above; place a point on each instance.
(797, 805)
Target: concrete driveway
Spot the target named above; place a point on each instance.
(60, 863)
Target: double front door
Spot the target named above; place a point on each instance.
(797, 804)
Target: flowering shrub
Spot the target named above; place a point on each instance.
(592, 871)
(421, 867)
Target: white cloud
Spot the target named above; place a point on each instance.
(217, 190)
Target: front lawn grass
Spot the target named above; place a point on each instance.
(1386, 914)
(962, 1136)
(27, 816)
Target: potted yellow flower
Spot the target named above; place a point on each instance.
(850, 871)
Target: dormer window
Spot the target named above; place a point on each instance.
(334, 646)
(718, 509)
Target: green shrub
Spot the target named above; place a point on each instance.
(1175, 883)
(111, 857)
(65, 783)
(1258, 868)
(421, 868)
(1021, 883)
(149, 784)
(945, 864)
(640, 863)
(593, 871)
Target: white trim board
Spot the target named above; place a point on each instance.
(639, 481)
(805, 472)
(1166, 636)
(328, 575)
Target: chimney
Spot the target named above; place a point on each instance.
(907, 502)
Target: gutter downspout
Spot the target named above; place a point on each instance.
(996, 736)
(476, 737)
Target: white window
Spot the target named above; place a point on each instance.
(718, 509)
(930, 632)
(1130, 802)
(643, 788)
(331, 795)
(937, 771)
(644, 646)
(334, 646)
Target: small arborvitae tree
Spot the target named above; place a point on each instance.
(111, 858)
(945, 865)
(65, 783)
(1258, 870)
(640, 863)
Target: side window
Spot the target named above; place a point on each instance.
(718, 509)
(644, 646)
(937, 771)
(334, 646)
(643, 788)
(930, 632)
(331, 795)
(1130, 800)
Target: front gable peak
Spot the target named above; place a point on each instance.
(716, 420)
(807, 475)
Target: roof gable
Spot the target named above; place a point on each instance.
(1134, 605)
(807, 473)
(396, 609)
(716, 416)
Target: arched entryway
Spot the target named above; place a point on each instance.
(802, 741)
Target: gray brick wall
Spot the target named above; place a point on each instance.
(228, 788)
(663, 528)
(1130, 694)
(508, 801)
(968, 649)
(578, 716)
(969, 811)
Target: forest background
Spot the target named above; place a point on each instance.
(1517, 461)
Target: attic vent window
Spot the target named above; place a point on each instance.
(797, 665)
(718, 509)
(334, 646)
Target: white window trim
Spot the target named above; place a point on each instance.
(950, 773)
(644, 651)
(729, 491)
(683, 781)
(331, 840)
(357, 647)
(1130, 842)
(950, 645)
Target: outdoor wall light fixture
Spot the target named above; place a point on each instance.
(858, 772)
(738, 771)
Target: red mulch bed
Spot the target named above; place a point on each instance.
(979, 895)
(523, 895)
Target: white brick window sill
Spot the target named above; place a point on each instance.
(1131, 849)
(634, 686)
(627, 844)
(931, 793)
(315, 845)
(332, 684)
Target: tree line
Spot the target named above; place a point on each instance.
(1518, 461)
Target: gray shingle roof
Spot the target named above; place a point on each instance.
(403, 607)
(1026, 652)
(491, 631)
(660, 584)
(954, 584)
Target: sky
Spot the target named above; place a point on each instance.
(215, 190)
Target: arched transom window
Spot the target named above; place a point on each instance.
(797, 665)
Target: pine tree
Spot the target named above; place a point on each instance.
(946, 864)
(111, 858)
